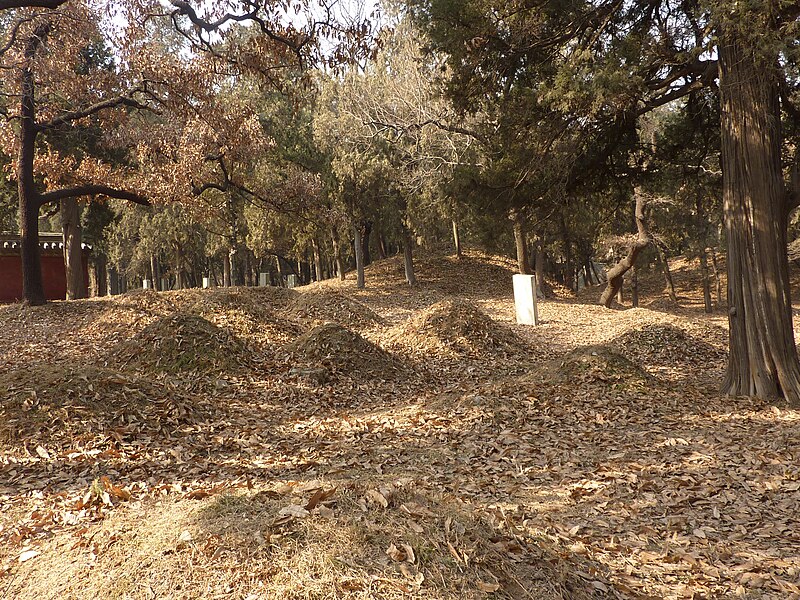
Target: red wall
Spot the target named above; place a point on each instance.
(53, 275)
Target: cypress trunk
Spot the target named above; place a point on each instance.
(707, 305)
(763, 359)
(29, 201)
(226, 269)
(73, 254)
(408, 256)
(317, 260)
(521, 242)
(359, 252)
(337, 255)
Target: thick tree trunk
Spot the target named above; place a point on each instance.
(73, 253)
(520, 241)
(763, 359)
(707, 305)
(226, 269)
(456, 239)
(99, 275)
(29, 201)
(408, 256)
(113, 281)
(617, 273)
(359, 252)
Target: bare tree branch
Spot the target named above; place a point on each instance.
(9, 4)
(92, 190)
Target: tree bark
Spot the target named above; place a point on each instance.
(317, 260)
(73, 253)
(29, 201)
(707, 305)
(382, 250)
(359, 252)
(456, 239)
(617, 273)
(763, 359)
(155, 269)
(569, 281)
(634, 287)
(670, 284)
(520, 241)
(226, 269)
(99, 274)
(408, 256)
(337, 254)
(539, 267)
(717, 278)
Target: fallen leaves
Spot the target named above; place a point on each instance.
(626, 473)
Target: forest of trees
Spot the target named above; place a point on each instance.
(190, 140)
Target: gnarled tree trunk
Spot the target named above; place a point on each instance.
(763, 359)
(617, 273)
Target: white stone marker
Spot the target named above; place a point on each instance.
(164, 284)
(291, 281)
(206, 282)
(525, 299)
(145, 284)
(262, 279)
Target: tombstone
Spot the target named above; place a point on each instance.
(146, 284)
(525, 299)
(165, 284)
(206, 282)
(291, 281)
(263, 279)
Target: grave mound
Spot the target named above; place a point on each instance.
(665, 344)
(65, 402)
(321, 307)
(341, 351)
(179, 343)
(454, 326)
(246, 314)
(144, 301)
(599, 365)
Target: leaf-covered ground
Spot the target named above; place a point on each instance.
(229, 444)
